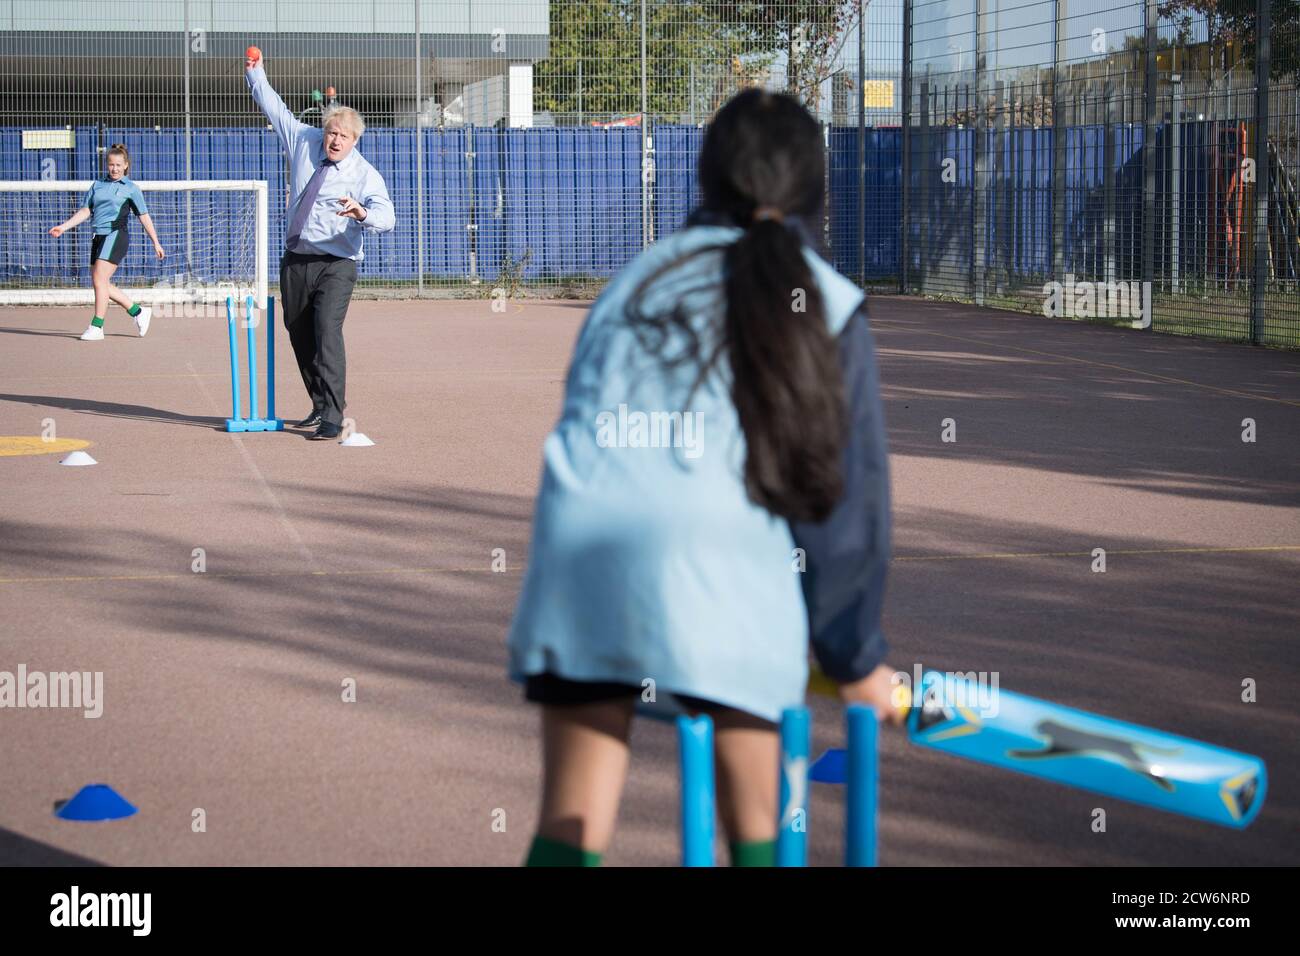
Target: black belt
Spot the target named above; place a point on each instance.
(312, 257)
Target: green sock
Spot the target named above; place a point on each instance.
(97, 322)
(758, 853)
(134, 310)
(546, 852)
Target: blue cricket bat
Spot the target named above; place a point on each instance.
(1075, 748)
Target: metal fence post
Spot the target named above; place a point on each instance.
(1175, 180)
(906, 147)
(1149, 120)
(419, 162)
(645, 121)
(1058, 143)
(862, 146)
(979, 160)
(189, 171)
(1263, 172)
(926, 174)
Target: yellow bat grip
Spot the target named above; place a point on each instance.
(819, 683)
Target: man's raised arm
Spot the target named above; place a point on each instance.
(286, 125)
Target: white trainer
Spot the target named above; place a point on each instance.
(142, 320)
(93, 334)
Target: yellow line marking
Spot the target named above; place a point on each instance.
(1088, 554)
(482, 570)
(36, 445)
(249, 574)
(1083, 361)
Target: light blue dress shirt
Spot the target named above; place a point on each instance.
(652, 563)
(325, 232)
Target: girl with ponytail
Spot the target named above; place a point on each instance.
(108, 204)
(714, 498)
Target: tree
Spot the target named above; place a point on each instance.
(724, 45)
(811, 33)
(595, 50)
(1231, 23)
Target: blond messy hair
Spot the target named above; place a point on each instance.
(345, 117)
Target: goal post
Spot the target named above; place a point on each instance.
(214, 234)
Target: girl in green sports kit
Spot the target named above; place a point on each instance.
(110, 201)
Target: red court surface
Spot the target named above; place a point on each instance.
(222, 689)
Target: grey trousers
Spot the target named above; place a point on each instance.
(314, 296)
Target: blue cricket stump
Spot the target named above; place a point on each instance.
(860, 798)
(252, 422)
(698, 795)
(792, 832)
(695, 738)
(233, 423)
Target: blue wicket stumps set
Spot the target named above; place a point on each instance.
(252, 422)
(698, 813)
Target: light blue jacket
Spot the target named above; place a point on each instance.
(325, 232)
(651, 563)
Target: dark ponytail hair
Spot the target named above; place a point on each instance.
(763, 151)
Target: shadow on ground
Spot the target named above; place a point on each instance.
(1157, 640)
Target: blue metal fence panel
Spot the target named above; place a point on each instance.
(677, 186)
(585, 186)
(488, 205)
(446, 187)
(1031, 189)
(940, 231)
(566, 213)
(392, 256)
(571, 199)
(842, 199)
(951, 215)
(883, 207)
(1128, 200)
(620, 159)
(27, 253)
(547, 230)
(519, 177)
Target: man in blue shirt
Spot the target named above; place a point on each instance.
(335, 198)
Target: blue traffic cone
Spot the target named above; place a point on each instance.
(98, 801)
(830, 767)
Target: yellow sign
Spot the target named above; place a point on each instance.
(878, 94)
(48, 139)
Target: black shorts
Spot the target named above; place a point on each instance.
(559, 691)
(110, 247)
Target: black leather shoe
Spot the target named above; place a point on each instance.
(326, 431)
(311, 421)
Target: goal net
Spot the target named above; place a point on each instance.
(214, 233)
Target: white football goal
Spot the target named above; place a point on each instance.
(214, 234)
